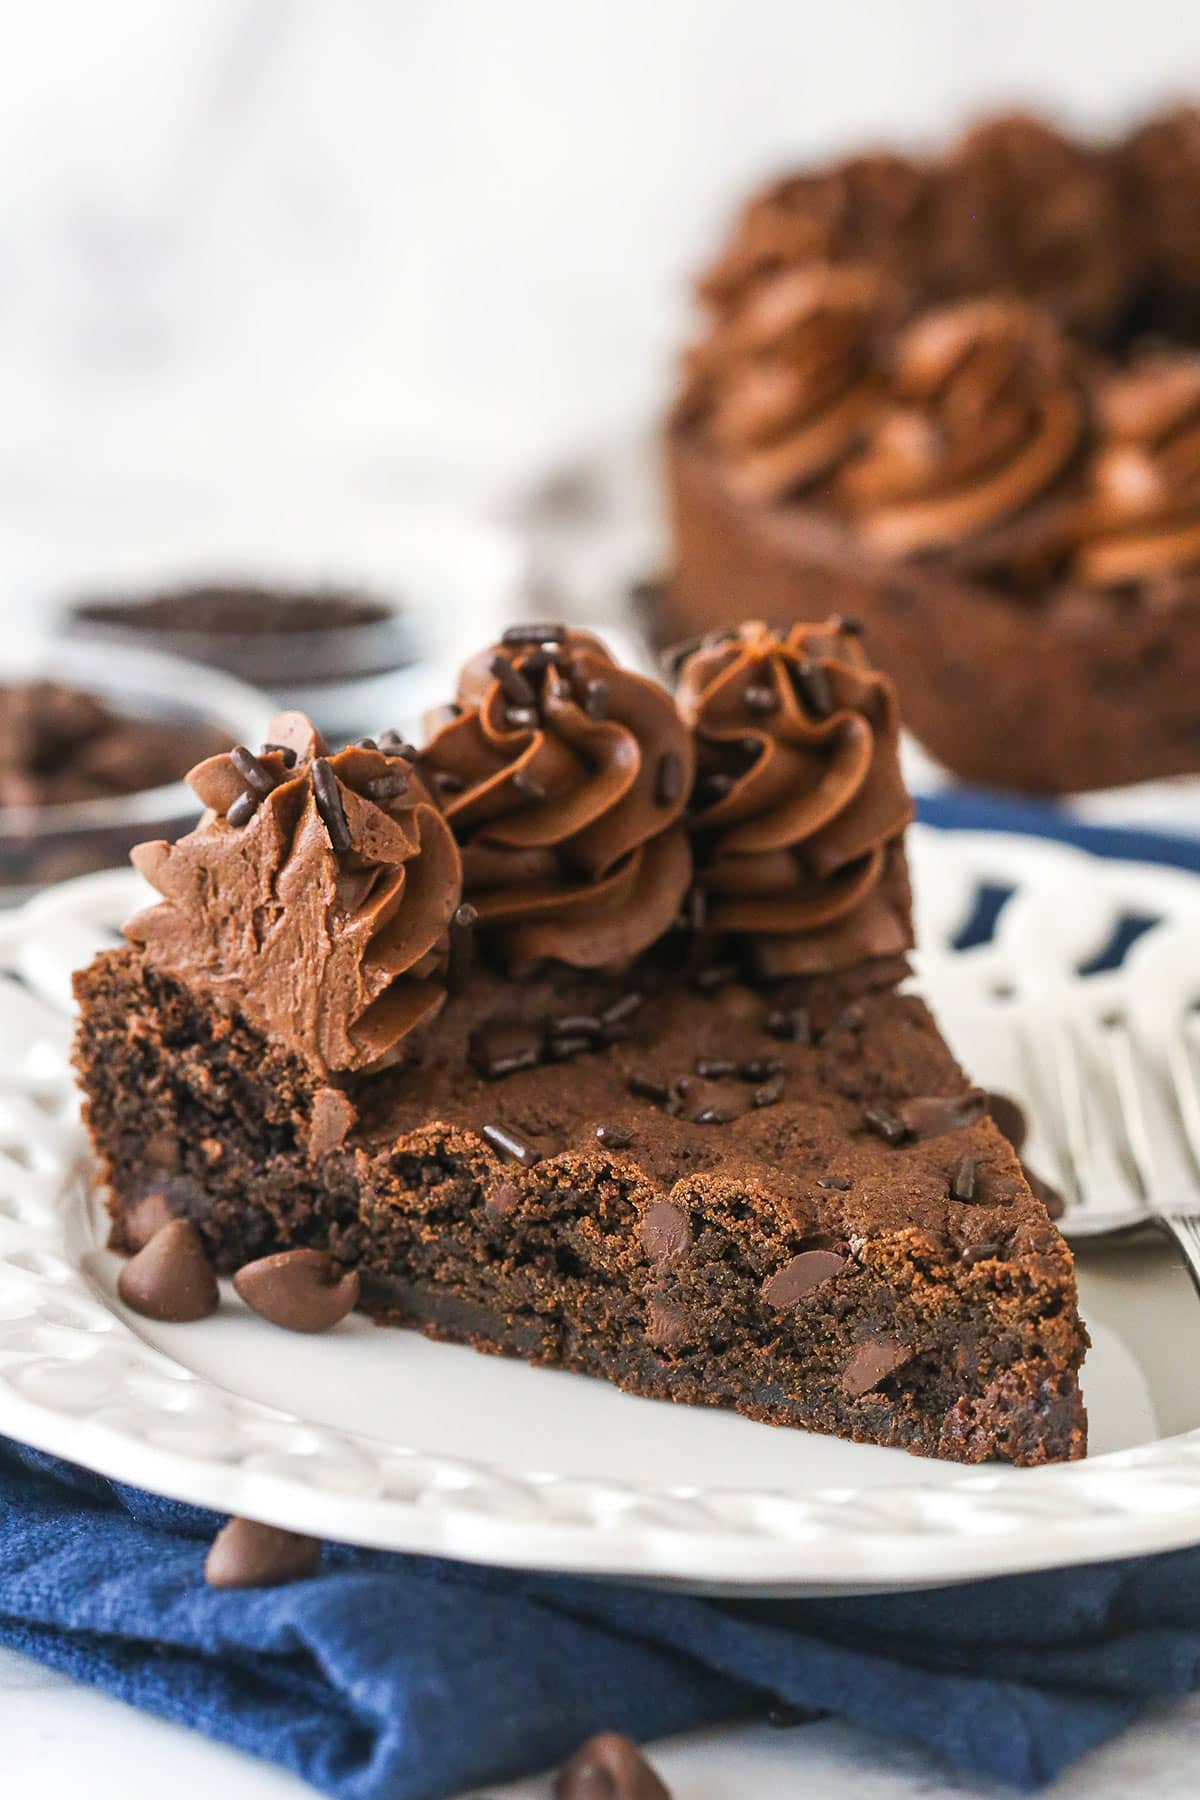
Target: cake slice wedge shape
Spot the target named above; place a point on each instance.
(582, 1038)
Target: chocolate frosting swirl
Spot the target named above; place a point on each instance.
(564, 778)
(790, 380)
(313, 896)
(799, 808)
(986, 415)
(1141, 521)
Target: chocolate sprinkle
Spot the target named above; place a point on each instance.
(885, 1124)
(696, 907)
(365, 743)
(284, 751)
(515, 686)
(814, 688)
(646, 1088)
(498, 1052)
(510, 1146)
(243, 809)
(585, 1025)
(387, 787)
(668, 780)
(975, 1253)
(769, 1092)
(792, 1024)
(520, 718)
(535, 633)
(713, 1115)
(761, 1068)
(462, 947)
(715, 975)
(841, 1184)
(614, 1137)
(255, 774)
(562, 1049)
(392, 744)
(527, 785)
(595, 698)
(760, 700)
(713, 1068)
(329, 805)
(621, 1009)
(963, 1185)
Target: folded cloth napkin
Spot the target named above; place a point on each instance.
(405, 1678)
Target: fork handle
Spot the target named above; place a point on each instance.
(1184, 1230)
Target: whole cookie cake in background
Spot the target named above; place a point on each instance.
(958, 397)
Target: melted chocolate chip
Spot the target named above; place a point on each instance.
(300, 1290)
(170, 1278)
(668, 779)
(872, 1362)
(510, 1146)
(245, 1554)
(328, 797)
(665, 1231)
(805, 1272)
(562, 1049)
(715, 975)
(584, 1025)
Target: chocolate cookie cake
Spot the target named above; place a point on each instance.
(959, 398)
(578, 1035)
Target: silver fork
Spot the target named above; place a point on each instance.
(1123, 1116)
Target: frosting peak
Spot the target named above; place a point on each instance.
(314, 895)
(984, 417)
(564, 778)
(799, 807)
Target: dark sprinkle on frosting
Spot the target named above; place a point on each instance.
(510, 1146)
(329, 805)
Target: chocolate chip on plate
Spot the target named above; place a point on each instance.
(609, 1767)
(872, 1362)
(302, 1290)
(245, 1554)
(665, 1230)
(170, 1278)
(800, 1276)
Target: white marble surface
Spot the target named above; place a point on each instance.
(60, 1739)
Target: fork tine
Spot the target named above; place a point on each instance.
(1107, 1173)
(1154, 1123)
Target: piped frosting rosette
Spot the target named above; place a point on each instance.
(314, 895)
(564, 778)
(799, 808)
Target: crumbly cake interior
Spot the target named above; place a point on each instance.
(786, 1202)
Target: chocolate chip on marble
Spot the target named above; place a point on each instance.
(170, 1278)
(872, 1362)
(608, 1767)
(300, 1290)
(665, 1231)
(245, 1554)
(805, 1272)
(962, 1187)
(1008, 1116)
(792, 1024)
(510, 1145)
(614, 1137)
(667, 1324)
(932, 1115)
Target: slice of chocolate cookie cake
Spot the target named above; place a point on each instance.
(577, 1035)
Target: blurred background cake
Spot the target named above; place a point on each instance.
(959, 399)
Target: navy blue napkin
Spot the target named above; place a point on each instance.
(406, 1678)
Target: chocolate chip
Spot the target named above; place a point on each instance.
(502, 1200)
(596, 698)
(608, 1768)
(714, 1068)
(258, 778)
(809, 1270)
(562, 1049)
(713, 1115)
(885, 1124)
(872, 1362)
(461, 953)
(585, 1025)
(975, 1253)
(392, 744)
(715, 975)
(770, 1093)
(962, 1187)
(667, 1324)
(520, 718)
(387, 787)
(621, 1009)
(284, 752)
(301, 1290)
(840, 1184)
(243, 809)
(712, 788)
(760, 700)
(760, 1068)
(668, 779)
(512, 681)
(1009, 1119)
(328, 797)
(501, 1049)
(665, 1231)
(510, 1146)
(245, 1554)
(814, 688)
(170, 1278)
(790, 1023)
(535, 633)
(647, 1088)
(614, 1137)
(932, 1116)
(147, 1215)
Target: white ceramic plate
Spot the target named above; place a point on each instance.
(382, 1438)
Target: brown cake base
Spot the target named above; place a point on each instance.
(663, 1239)
(1081, 692)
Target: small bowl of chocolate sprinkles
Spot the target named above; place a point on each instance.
(94, 746)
